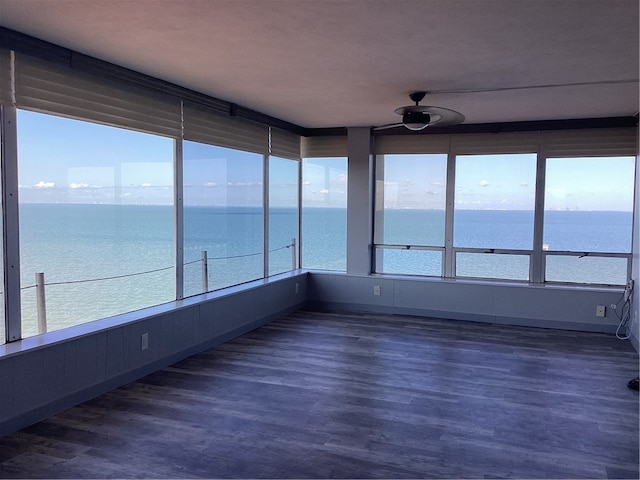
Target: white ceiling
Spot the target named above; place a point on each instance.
(332, 63)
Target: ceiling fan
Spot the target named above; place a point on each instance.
(417, 117)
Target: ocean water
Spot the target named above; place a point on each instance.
(101, 260)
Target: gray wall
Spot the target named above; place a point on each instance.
(515, 304)
(49, 373)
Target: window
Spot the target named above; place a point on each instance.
(324, 213)
(96, 219)
(494, 210)
(410, 213)
(283, 214)
(588, 211)
(223, 216)
(3, 334)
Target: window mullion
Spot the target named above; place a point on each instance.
(449, 262)
(179, 217)
(265, 214)
(537, 264)
(10, 230)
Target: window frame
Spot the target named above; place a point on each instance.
(544, 144)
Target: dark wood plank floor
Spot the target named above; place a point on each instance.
(358, 396)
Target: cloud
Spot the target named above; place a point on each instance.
(306, 182)
(78, 185)
(43, 184)
(211, 184)
(145, 185)
(324, 190)
(484, 183)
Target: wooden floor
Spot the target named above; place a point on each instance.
(353, 396)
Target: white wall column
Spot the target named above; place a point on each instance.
(359, 201)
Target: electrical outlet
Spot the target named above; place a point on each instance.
(600, 311)
(627, 290)
(144, 341)
(376, 290)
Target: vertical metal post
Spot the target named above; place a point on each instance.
(266, 211)
(294, 254)
(178, 217)
(10, 223)
(299, 206)
(205, 272)
(41, 303)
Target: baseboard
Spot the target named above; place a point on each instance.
(469, 317)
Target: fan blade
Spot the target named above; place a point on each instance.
(385, 127)
(446, 118)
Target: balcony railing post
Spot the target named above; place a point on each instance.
(41, 304)
(205, 272)
(294, 256)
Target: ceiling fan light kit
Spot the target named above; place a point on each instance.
(416, 120)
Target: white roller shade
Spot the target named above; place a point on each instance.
(51, 88)
(5, 77)
(205, 125)
(495, 143)
(285, 144)
(408, 144)
(556, 143)
(590, 142)
(319, 147)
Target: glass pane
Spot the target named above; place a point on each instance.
(96, 217)
(488, 265)
(410, 201)
(223, 216)
(283, 213)
(589, 204)
(600, 270)
(494, 201)
(410, 262)
(324, 213)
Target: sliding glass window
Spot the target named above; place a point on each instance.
(410, 213)
(324, 213)
(96, 221)
(588, 219)
(223, 217)
(494, 215)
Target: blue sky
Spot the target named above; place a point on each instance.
(62, 160)
(499, 182)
